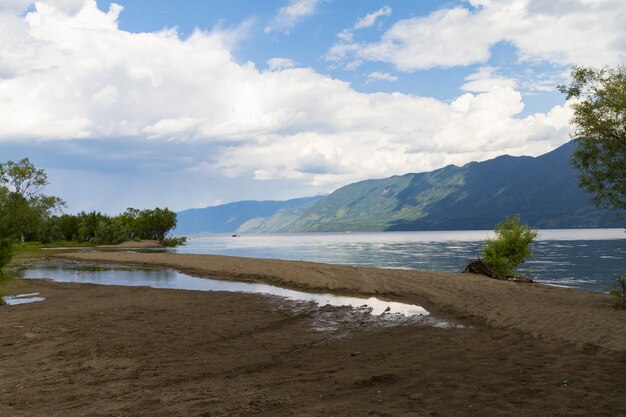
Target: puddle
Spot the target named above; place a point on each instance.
(166, 278)
(13, 300)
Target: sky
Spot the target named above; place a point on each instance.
(145, 103)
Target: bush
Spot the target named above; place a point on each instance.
(510, 248)
(618, 292)
(173, 241)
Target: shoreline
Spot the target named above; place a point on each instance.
(570, 315)
(106, 350)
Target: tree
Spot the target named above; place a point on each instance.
(6, 252)
(510, 248)
(22, 178)
(155, 224)
(600, 129)
(24, 206)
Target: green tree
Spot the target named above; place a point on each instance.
(600, 129)
(510, 248)
(112, 231)
(155, 224)
(24, 206)
(6, 252)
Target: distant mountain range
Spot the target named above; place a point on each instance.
(230, 217)
(543, 190)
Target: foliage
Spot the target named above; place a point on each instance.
(99, 228)
(154, 224)
(23, 207)
(510, 248)
(111, 231)
(173, 241)
(6, 252)
(618, 292)
(600, 126)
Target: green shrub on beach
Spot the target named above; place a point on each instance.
(171, 242)
(510, 248)
(618, 292)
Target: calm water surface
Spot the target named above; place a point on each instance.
(167, 278)
(581, 258)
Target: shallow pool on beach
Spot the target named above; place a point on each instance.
(167, 278)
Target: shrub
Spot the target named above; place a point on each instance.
(510, 248)
(173, 241)
(618, 292)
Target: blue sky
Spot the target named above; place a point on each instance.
(187, 104)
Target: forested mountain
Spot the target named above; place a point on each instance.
(543, 190)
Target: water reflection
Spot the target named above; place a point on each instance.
(13, 300)
(164, 278)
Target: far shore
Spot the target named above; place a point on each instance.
(569, 315)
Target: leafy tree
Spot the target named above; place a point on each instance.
(112, 231)
(6, 252)
(68, 226)
(155, 224)
(510, 248)
(600, 128)
(24, 206)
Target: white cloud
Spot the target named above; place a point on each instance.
(291, 15)
(369, 20)
(19, 6)
(486, 79)
(72, 76)
(352, 65)
(277, 64)
(562, 32)
(381, 76)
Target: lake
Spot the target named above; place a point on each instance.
(579, 258)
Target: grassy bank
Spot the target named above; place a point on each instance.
(28, 253)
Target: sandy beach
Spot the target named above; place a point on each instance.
(91, 350)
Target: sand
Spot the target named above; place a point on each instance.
(575, 316)
(92, 350)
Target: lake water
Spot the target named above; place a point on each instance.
(166, 278)
(580, 258)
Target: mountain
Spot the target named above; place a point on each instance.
(543, 190)
(228, 218)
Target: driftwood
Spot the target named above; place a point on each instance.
(478, 266)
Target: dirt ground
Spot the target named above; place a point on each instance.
(92, 350)
(574, 316)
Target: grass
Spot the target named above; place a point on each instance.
(25, 254)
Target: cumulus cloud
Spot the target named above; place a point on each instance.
(381, 76)
(277, 64)
(562, 32)
(290, 15)
(486, 79)
(369, 20)
(69, 76)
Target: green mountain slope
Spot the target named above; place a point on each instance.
(228, 218)
(543, 190)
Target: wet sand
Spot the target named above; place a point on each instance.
(93, 350)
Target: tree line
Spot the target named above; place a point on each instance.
(100, 228)
(27, 214)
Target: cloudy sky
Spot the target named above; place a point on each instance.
(149, 103)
